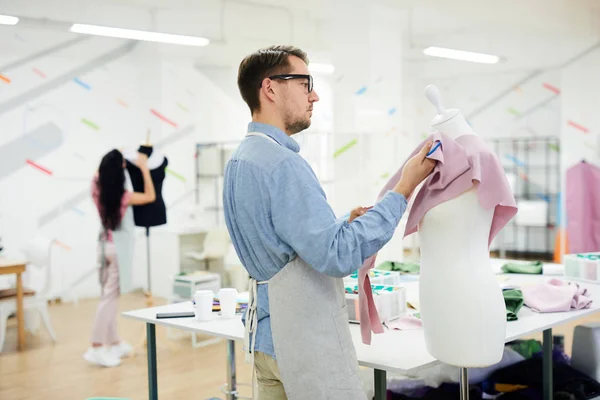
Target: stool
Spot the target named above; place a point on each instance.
(586, 349)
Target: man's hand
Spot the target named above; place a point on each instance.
(415, 171)
(357, 212)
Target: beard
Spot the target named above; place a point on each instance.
(295, 125)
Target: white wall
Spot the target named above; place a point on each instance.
(117, 104)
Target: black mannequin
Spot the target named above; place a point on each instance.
(155, 213)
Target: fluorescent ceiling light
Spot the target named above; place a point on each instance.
(461, 55)
(139, 35)
(8, 20)
(321, 68)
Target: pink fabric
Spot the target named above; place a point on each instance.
(96, 197)
(556, 296)
(461, 163)
(583, 208)
(105, 322)
(405, 323)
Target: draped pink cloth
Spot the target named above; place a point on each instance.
(461, 163)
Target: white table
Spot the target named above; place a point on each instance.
(409, 353)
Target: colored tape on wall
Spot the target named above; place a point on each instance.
(39, 73)
(512, 111)
(515, 160)
(345, 148)
(4, 79)
(39, 167)
(82, 83)
(183, 107)
(163, 118)
(578, 127)
(361, 91)
(175, 174)
(554, 147)
(551, 88)
(90, 124)
(122, 103)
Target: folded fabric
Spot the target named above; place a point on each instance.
(556, 296)
(404, 267)
(513, 299)
(462, 163)
(405, 323)
(535, 267)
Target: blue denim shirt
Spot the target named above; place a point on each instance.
(275, 209)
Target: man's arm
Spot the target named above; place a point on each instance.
(305, 221)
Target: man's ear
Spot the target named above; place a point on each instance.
(269, 90)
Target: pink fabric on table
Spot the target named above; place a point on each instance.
(460, 164)
(556, 296)
(405, 323)
(583, 208)
(96, 197)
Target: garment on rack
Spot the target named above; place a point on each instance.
(582, 204)
(395, 266)
(513, 299)
(556, 296)
(536, 267)
(461, 163)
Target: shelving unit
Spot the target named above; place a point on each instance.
(533, 166)
(211, 159)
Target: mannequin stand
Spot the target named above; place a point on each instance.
(148, 294)
(464, 383)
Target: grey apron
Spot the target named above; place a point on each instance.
(124, 240)
(311, 334)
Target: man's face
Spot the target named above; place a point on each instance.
(297, 103)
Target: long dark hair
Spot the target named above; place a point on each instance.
(111, 184)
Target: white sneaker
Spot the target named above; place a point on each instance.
(121, 350)
(101, 356)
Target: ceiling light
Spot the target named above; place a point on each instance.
(461, 55)
(321, 68)
(8, 20)
(139, 35)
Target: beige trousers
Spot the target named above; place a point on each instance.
(267, 378)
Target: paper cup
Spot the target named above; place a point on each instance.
(204, 303)
(228, 301)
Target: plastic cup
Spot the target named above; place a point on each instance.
(204, 303)
(228, 301)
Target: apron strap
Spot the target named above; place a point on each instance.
(250, 328)
(251, 318)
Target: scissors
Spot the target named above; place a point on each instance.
(434, 148)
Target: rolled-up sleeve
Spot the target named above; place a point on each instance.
(303, 219)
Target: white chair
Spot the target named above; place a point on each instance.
(215, 246)
(38, 253)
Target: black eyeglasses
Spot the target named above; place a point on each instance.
(295, 76)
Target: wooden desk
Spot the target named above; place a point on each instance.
(8, 266)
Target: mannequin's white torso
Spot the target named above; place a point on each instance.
(461, 302)
(154, 161)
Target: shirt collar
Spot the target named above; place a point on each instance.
(277, 134)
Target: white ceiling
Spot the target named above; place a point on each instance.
(527, 35)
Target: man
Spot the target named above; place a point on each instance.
(289, 240)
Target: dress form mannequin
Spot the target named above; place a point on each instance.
(152, 214)
(461, 302)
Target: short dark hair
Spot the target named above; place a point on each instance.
(261, 64)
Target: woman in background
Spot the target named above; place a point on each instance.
(112, 200)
